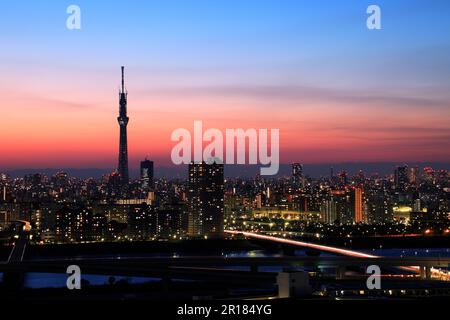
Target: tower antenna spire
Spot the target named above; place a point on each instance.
(123, 82)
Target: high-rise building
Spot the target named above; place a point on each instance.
(170, 222)
(401, 177)
(417, 205)
(141, 221)
(73, 223)
(3, 197)
(123, 122)
(146, 175)
(98, 228)
(205, 199)
(328, 211)
(343, 178)
(297, 174)
(412, 175)
(342, 206)
(379, 206)
(358, 205)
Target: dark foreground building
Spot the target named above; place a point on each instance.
(205, 198)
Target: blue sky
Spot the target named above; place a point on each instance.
(314, 62)
(319, 36)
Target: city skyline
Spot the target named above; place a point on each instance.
(370, 101)
(270, 155)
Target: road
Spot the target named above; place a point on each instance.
(18, 251)
(344, 252)
(441, 274)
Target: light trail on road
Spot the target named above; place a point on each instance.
(441, 274)
(345, 252)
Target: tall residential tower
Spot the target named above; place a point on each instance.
(297, 175)
(146, 175)
(205, 198)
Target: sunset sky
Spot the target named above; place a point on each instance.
(337, 91)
